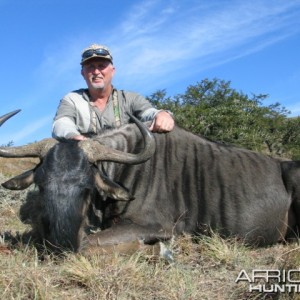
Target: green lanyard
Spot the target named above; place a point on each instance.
(116, 108)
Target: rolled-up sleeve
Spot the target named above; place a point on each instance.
(142, 108)
(64, 125)
(72, 116)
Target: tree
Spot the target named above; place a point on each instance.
(214, 109)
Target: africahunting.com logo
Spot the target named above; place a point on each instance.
(271, 281)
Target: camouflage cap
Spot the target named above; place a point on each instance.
(94, 51)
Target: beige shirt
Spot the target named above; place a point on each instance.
(75, 115)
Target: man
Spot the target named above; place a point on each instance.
(84, 112)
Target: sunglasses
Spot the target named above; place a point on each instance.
(91, 52)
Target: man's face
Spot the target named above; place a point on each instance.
(98, 73)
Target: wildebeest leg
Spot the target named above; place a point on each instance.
(127, 248)
(286, 224)
(125, 238)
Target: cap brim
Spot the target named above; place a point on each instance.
(95, 56)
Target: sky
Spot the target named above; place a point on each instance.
(156, 44)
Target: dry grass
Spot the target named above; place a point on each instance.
(196, 274)
(205, 268)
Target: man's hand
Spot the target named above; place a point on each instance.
(163, 122)
(79, 138)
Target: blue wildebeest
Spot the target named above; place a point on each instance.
(152, 186)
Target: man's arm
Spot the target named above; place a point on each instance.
(163, 120)
(64, 126)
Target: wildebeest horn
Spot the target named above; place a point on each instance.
(7, 116)
(38, 149)
(96, 151)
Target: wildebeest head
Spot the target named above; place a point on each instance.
(66, 178)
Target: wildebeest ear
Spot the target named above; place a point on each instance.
(109, 187)
(20, 182)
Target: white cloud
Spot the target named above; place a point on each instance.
(160, 44)
(159, 39)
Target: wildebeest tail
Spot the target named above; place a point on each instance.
(291, 179)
